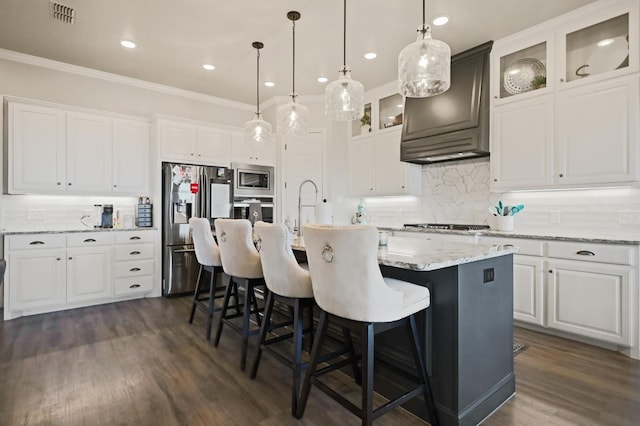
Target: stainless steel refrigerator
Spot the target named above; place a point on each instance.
(189, 190)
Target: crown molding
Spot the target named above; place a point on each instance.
(116, 78)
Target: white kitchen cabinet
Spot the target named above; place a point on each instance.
(89, 273)
(134, 262)
(130, 172)
(522, 144)
(192, 143)
(597, 133)
(528, 289)
(375, 168)
(37, 141)
(57, 150)
(88, 153)
(37, 279)
(249, 152)
(590, 299)
(577, 126)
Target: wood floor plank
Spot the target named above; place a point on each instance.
(141, 363)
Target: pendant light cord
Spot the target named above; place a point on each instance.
(258, 82)
(344, 40)
(293, 95)
(423, 30)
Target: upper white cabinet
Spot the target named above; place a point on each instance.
(249, 152)
(375, 168)
(57, 150)
(564, 105)
(193, 143)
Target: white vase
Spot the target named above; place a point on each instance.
(501, 223)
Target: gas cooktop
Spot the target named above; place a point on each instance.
(450, 226)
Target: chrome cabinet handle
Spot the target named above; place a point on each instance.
(36, 243)
(585, 253)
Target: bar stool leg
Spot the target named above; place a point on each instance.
(225, 307)
(254, 306)
(368, 337)
(348, 341)
(313, 363)
(246, 318)
(212, 298)
(196, 293)
(263, 333)
(420, 364)
(298, 327)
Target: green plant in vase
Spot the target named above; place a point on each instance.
(539, 81)
(365, 123)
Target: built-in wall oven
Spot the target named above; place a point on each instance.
(253, 210)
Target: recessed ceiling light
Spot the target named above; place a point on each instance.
(208, 67)
(322, 79)
(269, 83)
(605, 42)
(128, 44)
(370, 55)
(440, 20)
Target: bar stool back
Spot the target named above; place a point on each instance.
(208, 255)
(290, 285)
(348, 286)
(241, 261)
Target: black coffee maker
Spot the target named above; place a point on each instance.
(107, 216)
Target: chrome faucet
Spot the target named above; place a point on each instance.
(300, 205)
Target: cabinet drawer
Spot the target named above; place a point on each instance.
(134, 251)
(604, 253)
(36, 241)
(89, 239)
(134, 268)
(525, 246)
(134, 237)
(134, 285)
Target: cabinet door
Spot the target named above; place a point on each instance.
(597, 133)
(89, 274)
(36, 149)
(528, 289)
(389, 173)
(241, 150)
(130, 157)
(214, 146)
(37, 278)
(590, 299)
(522, 144)
(361, 158)
(177, 141)
(265, 153)
(88, 153)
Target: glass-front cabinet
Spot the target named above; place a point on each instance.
(390, 111)
(363, 126)
(523, 70)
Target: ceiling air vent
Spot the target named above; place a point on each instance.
(62, 13)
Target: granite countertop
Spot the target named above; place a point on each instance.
(604, 238)
(70, 231)
(426, 255)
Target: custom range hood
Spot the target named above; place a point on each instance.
(453, 125)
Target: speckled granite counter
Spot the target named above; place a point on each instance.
(419, 254)
(70, 231)
(632, 239)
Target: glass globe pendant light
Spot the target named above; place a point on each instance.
(292, 117)
(344, 98)
(257, 130)
(424, 66)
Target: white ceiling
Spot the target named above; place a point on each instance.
(175, 37)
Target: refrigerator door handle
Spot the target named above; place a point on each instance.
(184, 251)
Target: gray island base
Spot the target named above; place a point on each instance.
(467, 332)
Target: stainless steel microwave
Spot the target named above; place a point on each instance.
(252, 180)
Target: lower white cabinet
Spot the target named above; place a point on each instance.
(528, 289)
(50, 272)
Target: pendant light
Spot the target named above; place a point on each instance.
(257, 130)
(344, 98)
(424, 66)
(292, 117)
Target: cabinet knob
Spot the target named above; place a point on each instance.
(59, 183)
(370, 189)
(551, 271)
(562, 80)
(70, 258)
(402, 186)
(495, 180)
(199, 155)
(69, 184)
(57, 258)
(495, 97)
(561, 175)
(192, 154)
(115, 186)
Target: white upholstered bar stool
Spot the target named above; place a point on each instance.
(241, 262)
(348, 287)
(289, 284)
(208, 255)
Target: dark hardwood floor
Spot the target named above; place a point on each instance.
(141, 363)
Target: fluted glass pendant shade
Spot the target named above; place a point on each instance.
(257, 130)
(344, 98)
(292, 118)
(424, 67)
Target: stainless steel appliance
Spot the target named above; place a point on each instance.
(253, 209)
(449, 226)
(253, 181)
(189, 190)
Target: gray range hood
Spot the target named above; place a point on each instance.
(455, 124)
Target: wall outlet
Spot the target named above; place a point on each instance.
(34, 214)
(629, 217)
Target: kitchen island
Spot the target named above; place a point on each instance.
(467, 332)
